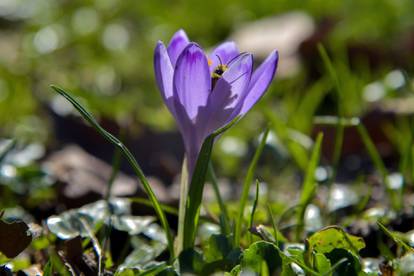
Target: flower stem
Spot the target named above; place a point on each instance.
(195, 192)
(181, 209)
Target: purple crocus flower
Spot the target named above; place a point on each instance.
(204, 93)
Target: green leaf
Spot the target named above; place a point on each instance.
(309, 184)
(255, 203)
(67, 225)
(58, 266)
(151, 268)
(246, 187)
(131, 160)
(293, 261)
(344, 262)
(395, 196)
(191, 261)
(168, 271)
(259, 252)
(224, 217)
(396, 237)
(333, 237)
(220, 255)
(322, 263)
(218, 247)
(143, 257)
(235, 271)
(48, 269)
(298, 153)
(195, 193)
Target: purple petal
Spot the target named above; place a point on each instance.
(261, 79)
(164, 75)
(226, 51)
(177, 44)
(228, 92)
(193, 134)
(191, 81)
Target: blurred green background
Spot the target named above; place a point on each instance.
(102, 52)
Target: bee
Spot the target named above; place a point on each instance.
(218, 72)
(221, 68)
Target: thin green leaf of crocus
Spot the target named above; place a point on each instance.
(246, 186)
(255, 202)
(224, 218)
(131, 160)
(195, 193)
(309, 184)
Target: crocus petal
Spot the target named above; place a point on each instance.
(191, 82)
(228, 92)
(164, 75)
(260, 81)
(177, 44)
(192, 134)
(226, 51)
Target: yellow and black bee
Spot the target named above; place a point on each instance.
(217, 73)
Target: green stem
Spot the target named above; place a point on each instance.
(181, 209)
(195, 193)
(246, 186)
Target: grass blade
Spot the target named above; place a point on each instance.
(296, 150)
(272, 220)
(255, 203)
(246, 186)
(372, 151)
(131, 160)
(224, 217)
(394, 195)
(309, 184)
(192, 210)
(395, 237)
